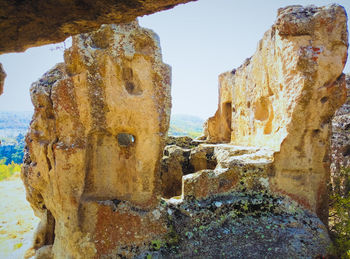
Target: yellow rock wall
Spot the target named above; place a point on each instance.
(284, 96)
(98, 133)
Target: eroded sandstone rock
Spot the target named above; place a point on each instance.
(183, 156)
(183, 142)
(284, 96)
(2, 79)
(27, 24)
(232, 203)
(175, 164)
(96, 140)
(94, 159)
(341, 145)
(242, 225)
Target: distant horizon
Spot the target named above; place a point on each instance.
(32, 111)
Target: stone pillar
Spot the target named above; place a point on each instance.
(97, 137)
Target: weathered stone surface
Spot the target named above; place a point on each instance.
(2, 79)
(341, 145)
(227, 168)
(97, 135)
(283, 99)
(202, 157)
(243, 225)
(119, 230)
(175, 163)
(183, 142)
(219, 127)
(92, 171)
(183, 156)
(279, 106)
(207, 183)
(33, 23)
(232, 203)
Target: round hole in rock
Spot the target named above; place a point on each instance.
(315, 132)
(130, 87)
(133, 88)
(324, 99)
(346, 150)
(125, 139)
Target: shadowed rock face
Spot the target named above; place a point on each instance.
(284, 96)
(96, 138)
(27, 24)
(341, 145)
(2, 78)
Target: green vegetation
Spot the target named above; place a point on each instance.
(17, 246)
(13, 127)
(340, 218)
(8, 170)
(156, 245)
(11, 149)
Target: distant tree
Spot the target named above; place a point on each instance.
(8, 170)
(340, 219)
(20, 139)
(13, 153)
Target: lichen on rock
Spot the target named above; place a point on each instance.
(96, 166)
(340, 144)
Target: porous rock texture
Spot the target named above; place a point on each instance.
(2, 79)
(95, 141)
(228, 210)
(33, 23)
(341, 145)
(95, 156)
(283, 99)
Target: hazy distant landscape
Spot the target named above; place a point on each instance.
(14, 125)
(185, 125)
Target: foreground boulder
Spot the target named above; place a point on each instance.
(227, 208)
(96, 138)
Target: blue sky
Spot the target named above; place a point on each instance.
(199, 40)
